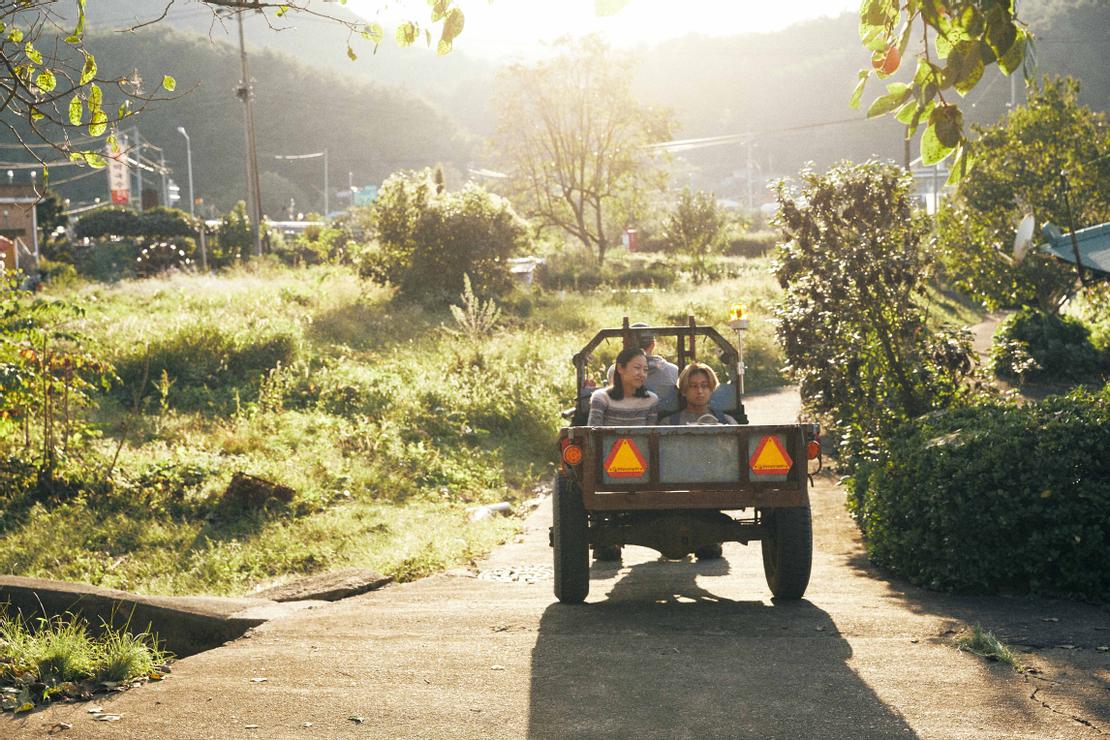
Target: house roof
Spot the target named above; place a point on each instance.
(1094, 246)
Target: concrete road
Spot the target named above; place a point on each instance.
(662, 649)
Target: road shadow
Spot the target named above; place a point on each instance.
(1056, 640)
(664, 656)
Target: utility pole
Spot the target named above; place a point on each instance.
(751, 201)
(325, 183)
(137, 150)
(254, 197)
(165, 178)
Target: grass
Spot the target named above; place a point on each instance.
(984, 644)
(385, 424)
(59, 657)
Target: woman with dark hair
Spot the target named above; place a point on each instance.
(625, 403)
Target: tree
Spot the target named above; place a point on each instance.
(427, 240)
(1019, 173)
(959, 39)
(694, 228)
(572, 137)
(50, 213)
(49, 81)
(852, 321)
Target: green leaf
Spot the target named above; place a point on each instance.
(949, 123)
(95, 97)
(1001, 30)
(407, 33)
(897, 94)
(46, 81)
(99, 123)
(351, 53)
(281, 11)
(961, 165)
(76, 111)
(169, 83)
(932, 150)
(15, 36)
(864, 75)
(32, 53)
(79, 31)
(605, 8)
(439, 9)
(443, 48)
(88, 71)
(1012, 59)
(92, 159)
(124, 110)
(36, 114)
(965, 66)
(452, 25)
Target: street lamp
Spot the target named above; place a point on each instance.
(189, 158)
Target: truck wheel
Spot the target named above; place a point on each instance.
(788, 550)
(572, 548)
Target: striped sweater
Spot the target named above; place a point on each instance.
(635, 411)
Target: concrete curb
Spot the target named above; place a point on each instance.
(185, 624)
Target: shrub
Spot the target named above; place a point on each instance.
(995, 496)
(852, 324)
(166, 223)
(1039, 346)
(429, 239)
(208, 364)
(751, 244)
(109, 221)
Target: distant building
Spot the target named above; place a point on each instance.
(19, 232)
(929, 189)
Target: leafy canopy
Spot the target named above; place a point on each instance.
(852, 321)
(50, 79)
(694, 228)
(956, 41)
(572, 137)
(1019, 173)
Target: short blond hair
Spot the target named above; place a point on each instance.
(696, 367)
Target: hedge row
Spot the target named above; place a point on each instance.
(995, 497)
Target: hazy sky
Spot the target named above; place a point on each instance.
(521, 27)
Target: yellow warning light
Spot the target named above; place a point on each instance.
(738, 316)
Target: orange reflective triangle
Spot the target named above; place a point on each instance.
(770, 457)
(625, 460)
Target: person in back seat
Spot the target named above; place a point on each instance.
(696, 384)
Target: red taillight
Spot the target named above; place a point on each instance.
(572, 454)
(813, 449)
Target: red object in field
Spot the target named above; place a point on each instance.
(631, 234)
(813, 449)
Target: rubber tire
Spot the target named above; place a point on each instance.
(709, 552)
(571, 540)
(788, 551)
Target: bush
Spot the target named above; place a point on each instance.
(1038, 346)
(995, 497)
(577, 269)
(751, 244)
(428, 240)
(106, 222)
(208, 365)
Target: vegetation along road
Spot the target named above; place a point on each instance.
(661, 649)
